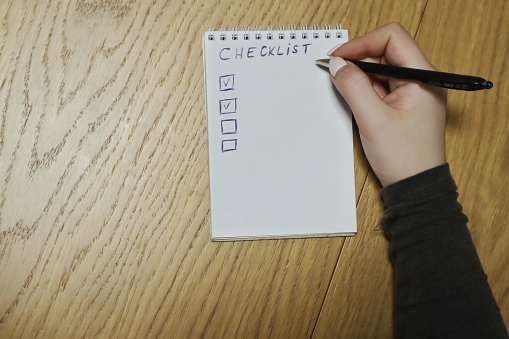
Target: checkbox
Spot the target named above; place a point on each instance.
(228, 106)
(229, 145)
(229, 126)
(226, 82)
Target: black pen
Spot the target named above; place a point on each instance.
(439, 79)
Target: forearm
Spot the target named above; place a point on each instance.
(440, 288)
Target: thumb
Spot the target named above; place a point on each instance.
(356, 88)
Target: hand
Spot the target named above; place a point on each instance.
(401, 123)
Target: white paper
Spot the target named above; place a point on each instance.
(280, 139)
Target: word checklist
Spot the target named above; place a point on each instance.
(279, 136)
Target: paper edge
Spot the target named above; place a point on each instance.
(280, 237)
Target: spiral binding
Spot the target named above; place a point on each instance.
(280, 32)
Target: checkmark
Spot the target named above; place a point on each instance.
(228, 106)
(226, 82)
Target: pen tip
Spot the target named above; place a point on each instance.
(489, 85)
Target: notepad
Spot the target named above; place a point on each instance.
(279, 136)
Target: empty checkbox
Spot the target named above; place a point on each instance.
(229, 126)
(229, 145)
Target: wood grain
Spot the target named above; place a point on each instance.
(104, 188)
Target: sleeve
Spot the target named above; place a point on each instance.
(440, 288)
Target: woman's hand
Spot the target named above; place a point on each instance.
(401, 123)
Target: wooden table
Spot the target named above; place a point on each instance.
(104, 187)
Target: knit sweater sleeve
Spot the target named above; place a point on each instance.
(440, 288)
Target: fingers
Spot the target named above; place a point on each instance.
(390, 44)
(401, 124)
(358, 91)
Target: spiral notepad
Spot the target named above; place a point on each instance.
(280, 137)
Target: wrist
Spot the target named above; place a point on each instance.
(423, 185)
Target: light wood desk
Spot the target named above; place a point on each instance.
(104, 196)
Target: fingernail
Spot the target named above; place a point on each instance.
(335, 64)
(329, 53)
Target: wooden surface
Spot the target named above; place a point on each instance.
(104, 196)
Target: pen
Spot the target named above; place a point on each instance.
(439, 79)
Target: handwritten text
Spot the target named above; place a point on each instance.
(228, 53)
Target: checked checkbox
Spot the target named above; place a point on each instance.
(226, 82)
(227, 106)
